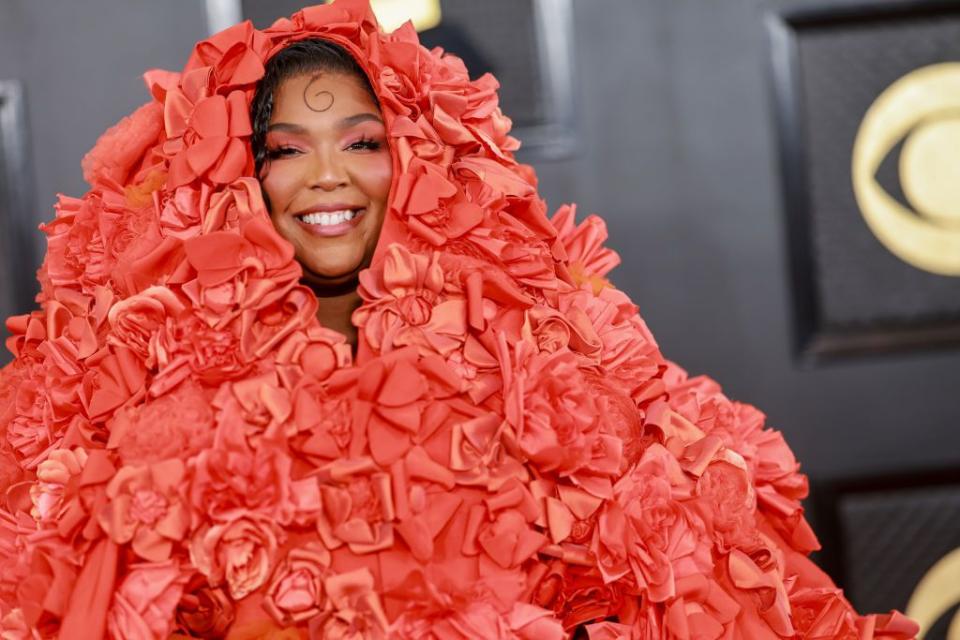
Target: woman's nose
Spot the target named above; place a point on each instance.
(328, 172)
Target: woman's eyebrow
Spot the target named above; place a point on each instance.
(349, 121)
(289, 127)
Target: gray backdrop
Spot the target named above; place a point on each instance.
(676, 151)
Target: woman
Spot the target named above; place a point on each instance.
(321, 154)
(194, 447)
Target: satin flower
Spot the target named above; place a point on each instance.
(240, 552)
(145, 508)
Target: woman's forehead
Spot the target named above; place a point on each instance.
(321, 92)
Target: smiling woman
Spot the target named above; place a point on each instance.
(322, 158)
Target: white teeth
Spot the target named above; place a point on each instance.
(327, 219)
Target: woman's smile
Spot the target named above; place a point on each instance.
(331, 221)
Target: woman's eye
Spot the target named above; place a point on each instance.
(280, 152)
(365, 144)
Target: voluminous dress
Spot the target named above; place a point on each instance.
(186, 452)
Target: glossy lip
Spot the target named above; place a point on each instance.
(335, 229)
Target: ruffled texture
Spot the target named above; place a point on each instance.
(186, 452)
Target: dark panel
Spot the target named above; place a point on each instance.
(852, 294)
(886, 533)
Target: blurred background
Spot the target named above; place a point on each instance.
(716, 140)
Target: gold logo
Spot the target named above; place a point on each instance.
(936, 593)
(925, 106)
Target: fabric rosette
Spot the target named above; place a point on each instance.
(240, 552)
(296, 592)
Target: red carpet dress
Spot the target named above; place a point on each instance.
(186, 452)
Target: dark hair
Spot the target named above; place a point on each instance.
(301, 57)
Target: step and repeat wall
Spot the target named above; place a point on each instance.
(781, 179)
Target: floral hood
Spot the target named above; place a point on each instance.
(185, 449)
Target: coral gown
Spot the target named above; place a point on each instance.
(186, 452)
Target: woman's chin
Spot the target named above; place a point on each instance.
(322, 277)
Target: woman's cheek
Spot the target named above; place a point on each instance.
(376, 176)
(279, 184)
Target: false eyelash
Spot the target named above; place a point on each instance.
(279, 152)
(367, 143)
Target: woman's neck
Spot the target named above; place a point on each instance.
(334, 312)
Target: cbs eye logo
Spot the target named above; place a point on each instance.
(923, 109)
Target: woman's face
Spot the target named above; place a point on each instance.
(327, 174)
